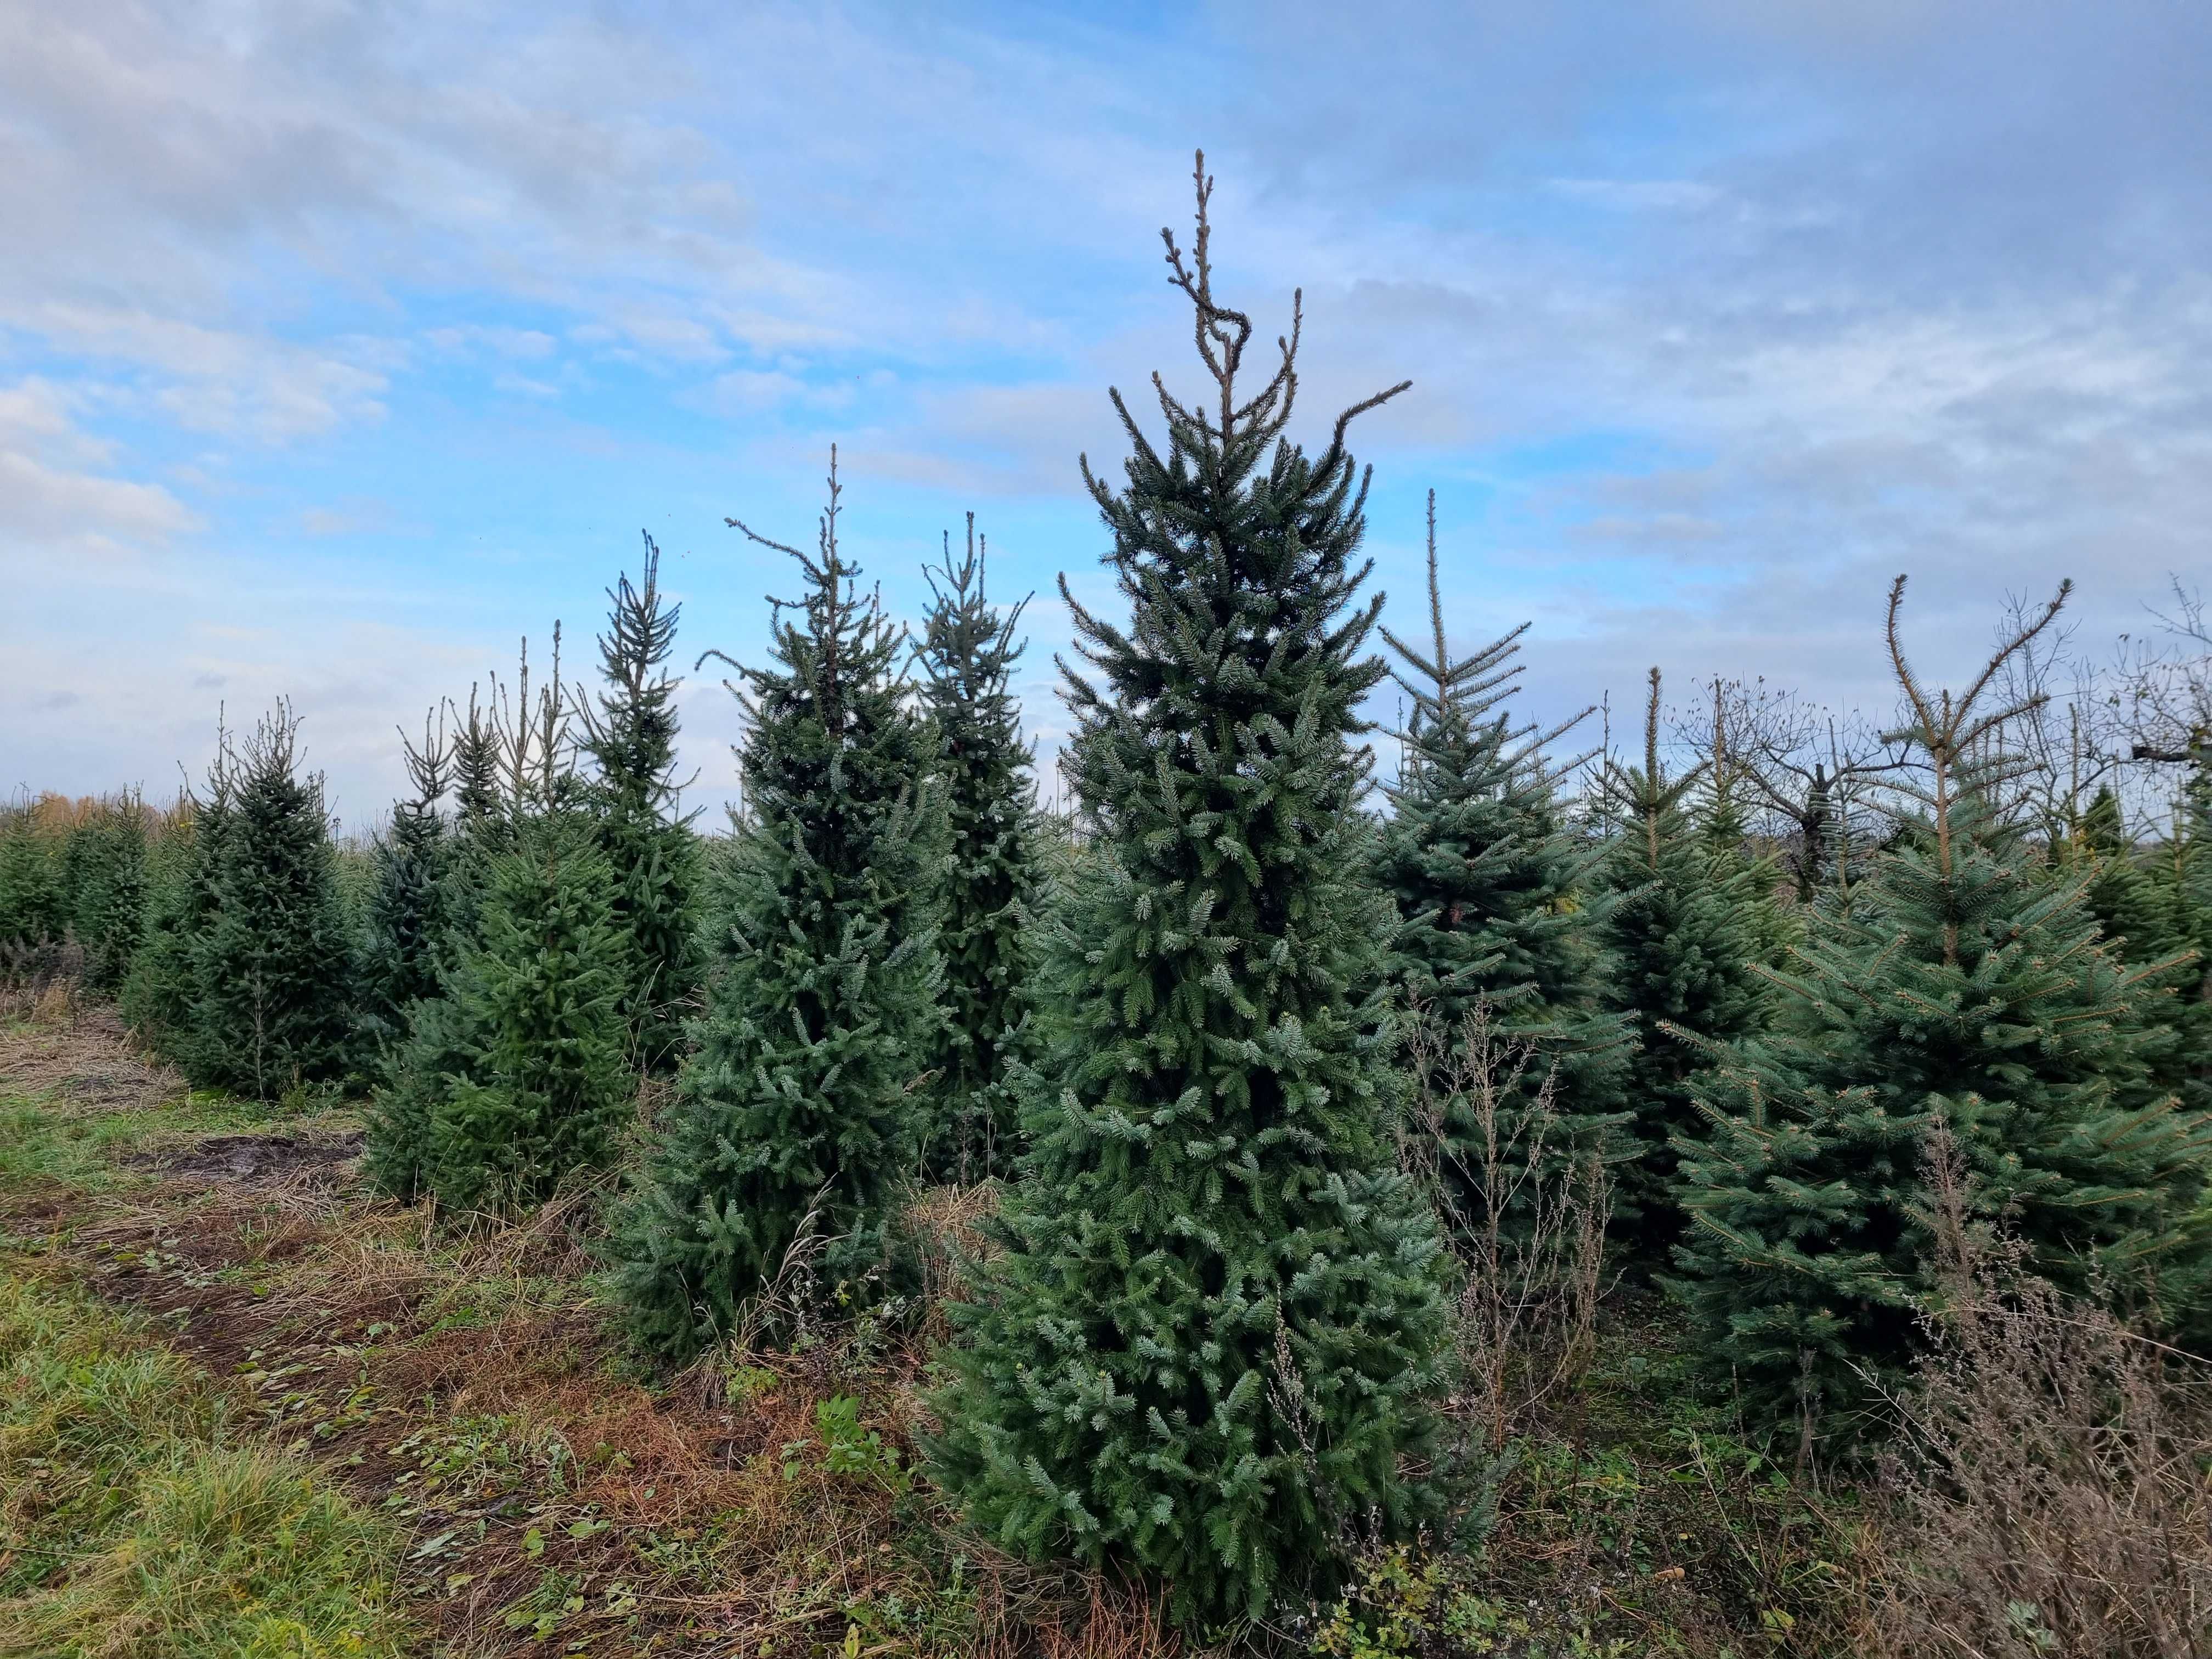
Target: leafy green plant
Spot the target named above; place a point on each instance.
(846, 1447)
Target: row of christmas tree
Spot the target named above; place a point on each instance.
(1210, 1332)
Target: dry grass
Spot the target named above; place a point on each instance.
(2051, 1496)
(1524, 1215)
(75, 1052)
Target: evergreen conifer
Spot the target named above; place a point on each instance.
(650, 849)
(2138, 919)
(497, 1086)
(160, 994)
(967, 654)
(1206, 1346)
(794, 1114)
(1498, 900)
(2185, 885)
(103, 869)
(1683, 937)
(274, 973)
(512, 764)
(517, 1077)
(33, 909)
(408, 924)
(478, 806)
(1963, 991)
(1723, 824)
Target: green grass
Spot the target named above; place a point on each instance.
(141, 1518)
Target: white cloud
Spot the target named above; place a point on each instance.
(50, 504)
(43, 506)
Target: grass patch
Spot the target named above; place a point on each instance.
(140, 1519)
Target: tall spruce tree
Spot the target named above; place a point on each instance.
(1208, 1344)
(1499, 901)
(1963, 990)
(653, 857)
(794, 1113)
(1683, 939)
(967, 654)
(275, 972)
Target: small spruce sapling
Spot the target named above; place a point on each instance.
(34, 896)
(161, 995)
(103, 866)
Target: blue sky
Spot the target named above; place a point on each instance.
(339, 346)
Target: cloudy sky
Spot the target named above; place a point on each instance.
(340, 347)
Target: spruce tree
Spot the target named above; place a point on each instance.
(33, 909)
(409, 910)
(1498, 900)
(967, 654)
(519, 838)
(794, 1111)
(1963, 990)
(477, 802)
(496, 792)
(1723, 824)
(653, 857)
(1685, 945)
(2138, 919)
(2184, 883)
(275, 1004)
(156, 996)
(518, 1076)
(1206, 1346)
(103, 865)
(160, 994)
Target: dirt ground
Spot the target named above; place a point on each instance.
(267, 1160)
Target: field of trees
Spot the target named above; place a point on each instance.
(1738, 1189)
